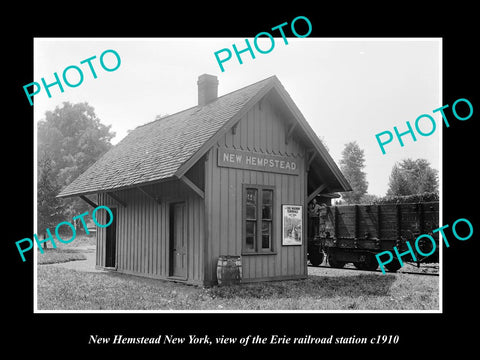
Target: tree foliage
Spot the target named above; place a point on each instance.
(410, 177)
(352, 165)
(416, 198)
(49, 206)
(72, 138)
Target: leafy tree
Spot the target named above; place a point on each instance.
(74, 138)
(409, 177)
(50, 208)
(352, 165)
(369, 199)
(405, 199)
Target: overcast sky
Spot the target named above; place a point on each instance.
(347, 89)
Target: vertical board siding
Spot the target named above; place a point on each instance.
(263, 131)
(143, 231)
(214, 224)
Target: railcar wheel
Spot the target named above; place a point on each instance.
(426, 246)
(370, 263)
(393, 266)
(336, 263)
(316, 256)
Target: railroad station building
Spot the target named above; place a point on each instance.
(230, 176)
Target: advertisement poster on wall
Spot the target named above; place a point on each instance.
(291, 225)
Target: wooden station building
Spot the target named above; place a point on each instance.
(216, 179)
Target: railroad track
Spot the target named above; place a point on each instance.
(378, 271)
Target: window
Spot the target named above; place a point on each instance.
(258, 219)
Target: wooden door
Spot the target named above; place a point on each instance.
(178, 240)
(111, 240)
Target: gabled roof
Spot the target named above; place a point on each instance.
(169, 146)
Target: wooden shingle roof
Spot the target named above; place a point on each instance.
(156, 150)
(169, 146)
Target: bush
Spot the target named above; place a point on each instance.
(416, 198)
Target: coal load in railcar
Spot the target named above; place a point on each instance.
(356, 233)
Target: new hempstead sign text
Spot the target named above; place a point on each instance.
(257, 161)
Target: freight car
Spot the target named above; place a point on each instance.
(356, 233)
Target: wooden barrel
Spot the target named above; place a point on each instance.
(229, 270)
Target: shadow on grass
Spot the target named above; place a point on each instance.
(314, 286)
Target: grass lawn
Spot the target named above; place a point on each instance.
(66, 252)
(60, 288)
(54, 256)
(81, 240)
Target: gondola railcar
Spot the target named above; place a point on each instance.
(356, 233)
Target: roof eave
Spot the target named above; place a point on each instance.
(307, 129)
(126, 187)
(273, 83)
